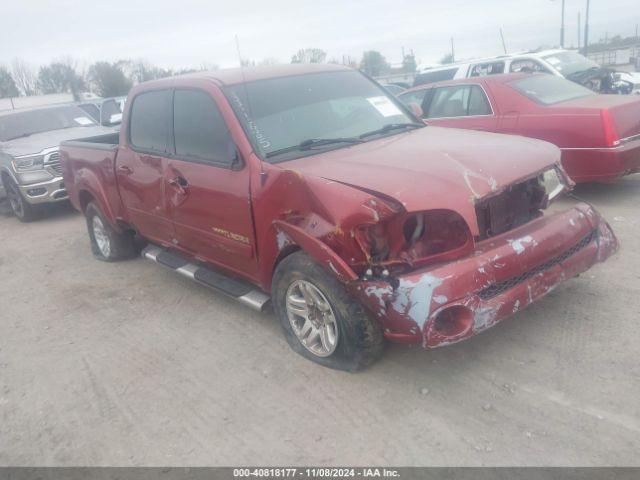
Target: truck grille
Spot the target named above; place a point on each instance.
(53, 163)
(517, 205)
(500, 287)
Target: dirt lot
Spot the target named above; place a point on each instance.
(130, 364)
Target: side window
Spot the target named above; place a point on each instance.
(150, 121)
(459, 101)
(199, 129)
(483, 69)
(416, 97)
(478, 102)
(527, 65)
(449, 102)
(92, 110)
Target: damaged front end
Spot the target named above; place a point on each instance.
(430, 279)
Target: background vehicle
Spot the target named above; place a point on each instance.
(394, 89)
(312, 183)
(562, 63)
(599, 135)
(29, 158)
(105, 111)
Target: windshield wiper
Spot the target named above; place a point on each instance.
(313, 142)
(391, 126)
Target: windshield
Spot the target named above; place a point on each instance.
(570, 63)
(23, 124)
(549, 89)
(281, 113)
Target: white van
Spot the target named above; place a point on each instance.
(563, 63)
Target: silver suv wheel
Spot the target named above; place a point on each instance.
(312, 318)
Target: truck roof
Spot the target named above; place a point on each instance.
(232, 76)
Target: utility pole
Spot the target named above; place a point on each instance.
(579, 37)
(586, 30)
(562, 26)
(453, 54)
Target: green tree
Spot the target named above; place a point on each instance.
(59, 78)
(373, 63)
(309, 55)
(7, 85)
(108, 79)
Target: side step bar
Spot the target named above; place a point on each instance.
(242, 291)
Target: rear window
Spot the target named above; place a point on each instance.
(437, 76)
(549, 89)
(150, 118)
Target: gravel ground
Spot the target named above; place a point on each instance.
(130, 364)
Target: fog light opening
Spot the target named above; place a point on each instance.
(36, 192)
(453, 321)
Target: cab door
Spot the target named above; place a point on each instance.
(208, 186)
(141, 163)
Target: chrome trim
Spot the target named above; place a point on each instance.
(52, 188)
(255, 299)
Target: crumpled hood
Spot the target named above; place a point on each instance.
(36, 143)
(433, 167)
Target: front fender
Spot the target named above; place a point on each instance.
(321, 253)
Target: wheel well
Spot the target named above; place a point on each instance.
(4, 176)
(84, 197)
(284, 253)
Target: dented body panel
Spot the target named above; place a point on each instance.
(504, 275)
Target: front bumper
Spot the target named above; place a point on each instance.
(444, 304)
(602, 164)
(45, 192)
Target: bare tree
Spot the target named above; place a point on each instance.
(7, 85)
(309, 55)
(24, 74)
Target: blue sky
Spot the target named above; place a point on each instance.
(194, 32)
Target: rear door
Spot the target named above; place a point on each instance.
(208, 185)
(460, 106)
(141, 164)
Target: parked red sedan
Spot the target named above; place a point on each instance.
(599, 135)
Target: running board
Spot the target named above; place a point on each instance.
(242, 291)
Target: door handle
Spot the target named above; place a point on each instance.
(125, 170)
(179, 183)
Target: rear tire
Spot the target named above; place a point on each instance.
(321, 321)
(107, 244)
(22, 209)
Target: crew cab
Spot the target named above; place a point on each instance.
(598, 134)
(30, 170)
(311, 187)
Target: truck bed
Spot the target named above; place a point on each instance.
(90, 162)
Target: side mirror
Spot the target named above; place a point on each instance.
(416, 110)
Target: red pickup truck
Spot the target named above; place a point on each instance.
(311, 187)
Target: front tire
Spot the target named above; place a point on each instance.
(321, 321)
(23, 210)
(107, 244)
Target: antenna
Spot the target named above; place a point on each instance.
(504, 46)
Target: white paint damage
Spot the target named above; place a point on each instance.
(282, 240)
(441, 299)
(518, 245)
(379, 293)
(413, 299)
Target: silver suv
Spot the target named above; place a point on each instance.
(29, 159)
